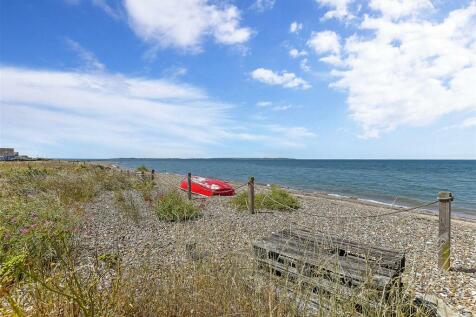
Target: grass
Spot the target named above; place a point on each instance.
(276, 199)
(215, 287)
(146, 188)
(41, 206)
(125, 202)
(142, 169)
(172, 206)
(41, 203)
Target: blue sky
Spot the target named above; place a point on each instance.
(257, 78)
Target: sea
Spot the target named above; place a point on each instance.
(405, 183)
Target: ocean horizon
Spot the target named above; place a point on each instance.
(395, 182)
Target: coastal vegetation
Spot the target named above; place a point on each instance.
(145, 187)
(142, 168)
(274, 199)
(43, 203)
(46, 268)
(172, 206)
(126, 203)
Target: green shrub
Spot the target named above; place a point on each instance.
(142, 168)
(11, 269)
(172, 206)
(280, 200)
(276, 199)
(110, 260)
(28, 230)
(240, 201)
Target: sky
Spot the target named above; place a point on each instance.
(325, 79)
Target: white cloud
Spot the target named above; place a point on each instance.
(97, 114)
(395, 9)
(298, 132)
(303, 64)
(339, 8)
(284, 79)
(294, 53)
(263, 5)
(264, 103)
(282, 108)
(88, 59)
(115, 12)
(391, 9)
(324, 42)
(185, 24)
(269, 105)
(408, 71)
(334, 60)
(174, 72)
(469, 122)
(104, 109)
(295, 27)
(292, 136)
(466, 123)
(278, 136)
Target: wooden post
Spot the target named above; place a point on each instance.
(152, 174)
(251, 195)
(444, 234)
(189, 179)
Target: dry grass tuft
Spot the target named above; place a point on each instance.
(125, 202)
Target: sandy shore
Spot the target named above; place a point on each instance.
(222, 229)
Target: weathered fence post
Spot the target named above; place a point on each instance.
(189, 179)
(444, 233)
(152, 174)
(251, 195)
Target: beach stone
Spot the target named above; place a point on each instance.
(223, 230)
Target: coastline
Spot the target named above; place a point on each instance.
(328, 195)
(396, 183)
(378, 203)
(131, 230)
(374, 203)
(222, 230)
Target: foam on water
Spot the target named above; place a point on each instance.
(382, 203)
(337, 195)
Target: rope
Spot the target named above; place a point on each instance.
(356, 217)
(335, 217)
(246, 184)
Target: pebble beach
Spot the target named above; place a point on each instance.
(222, 229)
